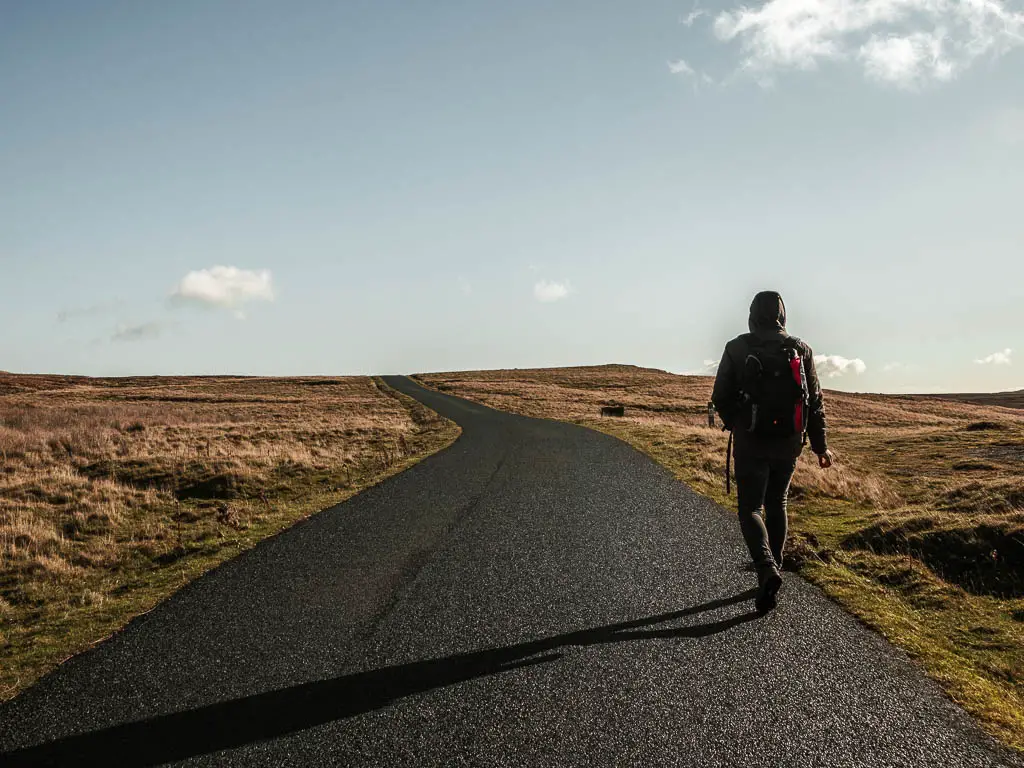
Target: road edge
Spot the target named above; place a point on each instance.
(997, 731)
(167, 585)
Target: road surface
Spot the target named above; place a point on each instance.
(537, 594)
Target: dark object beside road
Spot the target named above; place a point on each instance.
(613, 410)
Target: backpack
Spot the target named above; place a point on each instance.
(773, 386)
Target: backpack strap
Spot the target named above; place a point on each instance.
(728, 460)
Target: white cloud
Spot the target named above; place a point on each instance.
(547, 290)
(996, 358)
(465, 286)
(224, 287)
(832, 366)
(905, 43)
(692, 16)
(709, 368)
(889, 367)
(137, 332)
(906, 61)
(680, 67)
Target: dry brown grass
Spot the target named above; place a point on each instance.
(918, 529)
(1004, 399)
(114, 492)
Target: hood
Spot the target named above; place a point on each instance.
(767, 312)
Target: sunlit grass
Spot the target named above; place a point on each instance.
(115, 493)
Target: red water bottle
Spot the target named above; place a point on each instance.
(796, 365)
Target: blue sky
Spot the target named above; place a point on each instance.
(369, 187)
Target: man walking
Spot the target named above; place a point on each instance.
(767, 393)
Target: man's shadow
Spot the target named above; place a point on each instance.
(273, 714)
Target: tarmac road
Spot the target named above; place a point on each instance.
(537, 594)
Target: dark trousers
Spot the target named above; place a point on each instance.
(762, 488)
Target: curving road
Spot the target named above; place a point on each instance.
(537, 594)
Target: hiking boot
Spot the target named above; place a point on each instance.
(768, 590)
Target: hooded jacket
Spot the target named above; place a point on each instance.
(767, 321)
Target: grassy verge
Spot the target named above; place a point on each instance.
(116, 493)
(918, 531)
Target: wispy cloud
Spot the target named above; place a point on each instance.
(224, 287)
(710, 367)
(996, 358)
(464, 286)
(92, 310)
(548, 290)
(682, 68)
(890, 367)
(141, 332)
(904, 43)
(832, 366)
(692, 16)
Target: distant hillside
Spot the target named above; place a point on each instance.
(22, 383)
(1004, 399)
